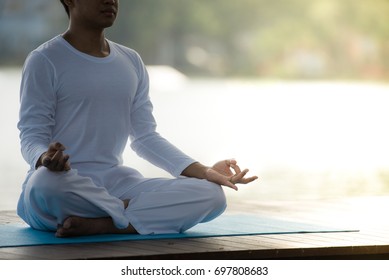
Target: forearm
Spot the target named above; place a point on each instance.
(32, 150)
(162, 153)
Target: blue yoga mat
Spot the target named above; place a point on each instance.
(226, 225)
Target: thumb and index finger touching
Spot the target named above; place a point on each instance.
(56, 146)
(54, 159)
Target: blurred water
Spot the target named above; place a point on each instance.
(303, 139)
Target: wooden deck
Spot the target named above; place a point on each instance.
(368, 214)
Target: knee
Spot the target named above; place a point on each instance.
(46, 184)
(42, 196)
(216, 197)
(41, 181)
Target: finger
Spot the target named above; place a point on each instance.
(229, 162)
(236, 168)
(59, 146)
(57, 157)
(56, 146)
(66, 158)
(48, 159)
(67, 167)
(63, 164)
(58, 161)
(45, 158)
(223, 167)
(66, 163)
(248, 180)
(231, 185)
(239, 176)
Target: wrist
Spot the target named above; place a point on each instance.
(196, 170)
(39, 161)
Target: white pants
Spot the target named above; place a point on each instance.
(156, 205)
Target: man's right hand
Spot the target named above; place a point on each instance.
(54, 159)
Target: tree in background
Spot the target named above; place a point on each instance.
(342, 39)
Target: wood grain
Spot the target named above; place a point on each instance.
(366, 214)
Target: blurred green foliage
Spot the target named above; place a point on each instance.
(314, 39)
(279, 38)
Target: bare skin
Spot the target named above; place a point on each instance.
(220, 173)
(54, 159)
(78, 226)
(88, 20)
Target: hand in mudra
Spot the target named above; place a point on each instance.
(54, 159)
(228, 173)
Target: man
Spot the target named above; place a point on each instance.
(88, 94)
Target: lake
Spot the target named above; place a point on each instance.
(304, 139)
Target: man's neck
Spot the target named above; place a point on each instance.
(91, 43)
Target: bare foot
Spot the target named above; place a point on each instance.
(77, 226)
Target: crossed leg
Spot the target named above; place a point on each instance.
(78, 226)
(72, 205)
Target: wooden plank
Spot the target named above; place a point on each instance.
(280, 249)
(371, 242)
(15, 253)
(7, 217)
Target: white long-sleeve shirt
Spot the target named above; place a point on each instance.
(91, 105)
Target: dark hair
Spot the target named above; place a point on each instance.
(66, 7)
